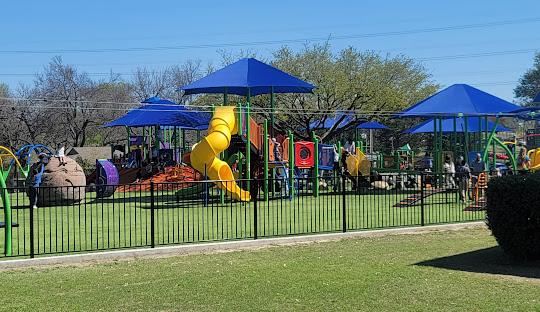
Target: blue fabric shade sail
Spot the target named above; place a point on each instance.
(459, 99)
(160, 112)
(245, 76)
(474, 124)
(372, 125)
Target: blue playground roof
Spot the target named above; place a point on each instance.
(473, 125)
(329, 122)
(248, 75)
(537, 98)
(371, 125)
(459, 99)
(161, 112)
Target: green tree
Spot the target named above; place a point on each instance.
(529, 83)
(371, 85)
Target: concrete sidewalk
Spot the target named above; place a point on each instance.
(175, 250)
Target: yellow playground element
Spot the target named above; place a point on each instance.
(204, 154)
(6, 153)
(358, 164)
(534, 156)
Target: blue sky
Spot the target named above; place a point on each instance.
(63, 25)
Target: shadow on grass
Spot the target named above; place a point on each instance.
(489, 260)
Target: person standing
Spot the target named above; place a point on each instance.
(463, 174)
(449, 172)
(477, 167)
(37, 173)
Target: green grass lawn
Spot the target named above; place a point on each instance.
(438, 271)
(124, 220)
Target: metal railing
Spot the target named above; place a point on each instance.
(72, 219)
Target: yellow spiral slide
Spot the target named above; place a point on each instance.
(204, 154)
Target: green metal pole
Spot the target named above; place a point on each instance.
(454, 139)
(266, 155)
(239, 109)
(183, 139)
(248, 140)
(466, 134)
(291, 163)
(272, 111)
(316, 165)
(175, 138)
(144, 142)
(156, 133)
(434, 143)
(441, 148)
(127, 145)
(7, 216)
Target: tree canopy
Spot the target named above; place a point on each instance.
(366, 83)
(529, 84)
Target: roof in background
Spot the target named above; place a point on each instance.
(161, 112)
(459, 99)
(473, 125)
(90, 153)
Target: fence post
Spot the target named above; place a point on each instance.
(255, 208)
(32, 252)
(422, 193)
(152, 217)
(343, 204)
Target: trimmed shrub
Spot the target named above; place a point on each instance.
(513, 214)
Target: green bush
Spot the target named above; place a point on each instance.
(87, 166)
(513, 214)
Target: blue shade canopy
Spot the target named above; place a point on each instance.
(371, 125)
(537, 98)
(473, 125)
(160, 112)
(331, 121)
(248, 75)
(459, 99)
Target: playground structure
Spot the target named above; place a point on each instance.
(10, 165)
(244, 158)
(107, 178)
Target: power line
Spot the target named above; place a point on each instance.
(432, 58)
(199, 108)
(474, 55)
(284, 41)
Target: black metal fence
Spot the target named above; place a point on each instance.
(73, 219)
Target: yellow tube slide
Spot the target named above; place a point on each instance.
(534, 156)
(204, 154)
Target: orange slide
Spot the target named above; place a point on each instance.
(204, 154)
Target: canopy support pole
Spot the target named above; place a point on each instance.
(316, 165)
(466, 134)
(266, 155)
(240, 133)
(272, 108)
(291, 165)
(127, 145)
(248, 140)
(371, 141)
